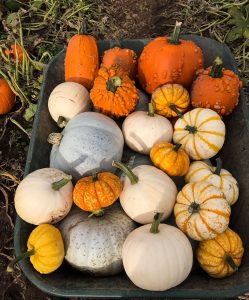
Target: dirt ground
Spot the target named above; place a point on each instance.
(110, 19)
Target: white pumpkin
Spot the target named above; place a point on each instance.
(44, 196)
(146, 190)
(143, 129)
(200, 171)
(67, 100)
(157, 261)
(201, 133)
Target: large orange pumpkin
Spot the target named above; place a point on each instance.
(216, 88)
(82, 60)
(7, 97)
(113, 92)
(169, 60)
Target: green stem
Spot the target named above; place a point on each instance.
(97, 213)
(173, 107)
(191, 129)
(155, 225)
(133, 178)
(218, 166)
(24, 255)
(113, 83)
(216, 71)
(194, 208)
(54, 138)
(62, 122)
(174, 39)
(95, 177)
(151, 111)
(177, 147)
(231, 262)
(56, 186)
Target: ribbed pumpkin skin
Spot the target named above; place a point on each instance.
(7, 97)
(162, 62)
(168, 94)
(92, 195)
(49, 248)
(118, 103)
(82, 60)
(211, 254)
(125, 58)
(212, 217)
(219, 94)
(174, 163)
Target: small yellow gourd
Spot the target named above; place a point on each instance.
(45, 249)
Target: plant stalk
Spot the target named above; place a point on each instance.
(56, 186)
(133, 178)
(10, 267)
(155, 225)
(174, 39)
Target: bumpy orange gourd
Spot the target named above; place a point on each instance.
(92, 193)
(216, 88)
(7, 97)
(82, 60)
(170, 100)
(169, 60)
(15, 51)
(170, 158)
(125, 58)
(113, 92)
(221, 257)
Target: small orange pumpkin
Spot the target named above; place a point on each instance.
(92, 193)
(170, 158)
(125, 58)
(7, 97)
(113, 92)
(15, 51)
(82, 60)
(216, 88)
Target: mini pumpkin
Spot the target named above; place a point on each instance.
(93, 193)
(125, 58)
(201, 211)
(113, 92)
(7, 97)
(216, 88)
(201, 133)
(45, 249)
(220, 257)
(15, 52)
(170, 158)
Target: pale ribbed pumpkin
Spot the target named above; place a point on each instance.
(201, 211)
(201, 133)
(200, 171)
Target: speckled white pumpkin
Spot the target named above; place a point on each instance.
(89, 144)
(95, 244)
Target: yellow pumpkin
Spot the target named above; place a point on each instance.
(170, 158)
(221, 257)
(45, 249)
(201, 211)
(170, 100)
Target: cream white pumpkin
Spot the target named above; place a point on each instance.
(200, 171)
(44, 196)
(201, 211)
(201, 133)
(157, 261)
(143, 129)
(67, 100)
(147, 190)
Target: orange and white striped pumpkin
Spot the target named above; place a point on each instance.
(200, 171)
(201, 133)
(201, 211)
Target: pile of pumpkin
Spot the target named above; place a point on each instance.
(101, 235)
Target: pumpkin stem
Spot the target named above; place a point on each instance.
(97, 213)
(10, 267)
(55, 138)
(113, 83)
(173, 107)
(155, 225)
(59, 184)
(177, 147)
(151, 111)
(133, 178)
(216, 71)
(95, 177)
(218, 166)
(231, 262)
(62, 122)
(194, 208)
(174, 39)
(191, 129)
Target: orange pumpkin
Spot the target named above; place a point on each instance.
(15, 51)
(113, 92)
(7, 97)
(216, 88)
(125, 58)
(169, 60)
(92, 193)
(82, 60)
(170, 158)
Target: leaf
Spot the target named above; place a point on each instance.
(12, 20)
(234, 34)
(37, 4)
(13, 5)
(30, 112)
